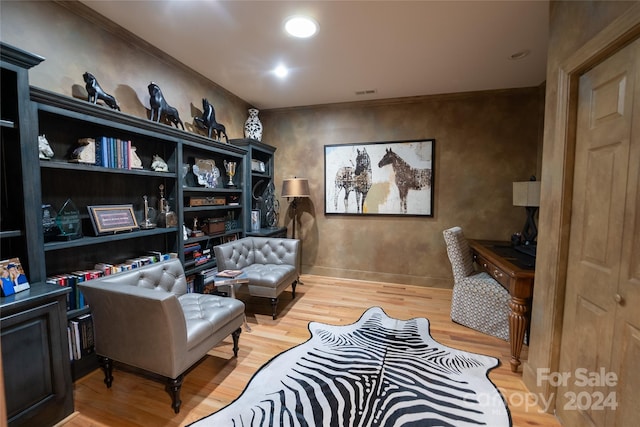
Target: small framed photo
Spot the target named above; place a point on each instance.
(12, 277)
(112, 218)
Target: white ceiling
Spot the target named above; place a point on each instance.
(396, 48)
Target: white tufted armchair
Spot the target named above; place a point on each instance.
(271, 264)
(479, 301)
(145, 318)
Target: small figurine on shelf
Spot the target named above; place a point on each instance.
(46, 153)
(166, 217)
(147, 224)
(196, 232)
(95, 92)
(158, 164)
(208, 121)
(159, 107)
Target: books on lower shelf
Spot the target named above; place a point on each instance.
(80, 337)
(75, 299)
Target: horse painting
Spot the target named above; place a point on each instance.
(356, 179)
(407, 178)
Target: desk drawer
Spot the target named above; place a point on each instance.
(493, 270)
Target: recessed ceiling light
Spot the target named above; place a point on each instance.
(520, 55)
(281, 71)
(301, 26)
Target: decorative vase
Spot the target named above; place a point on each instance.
(253, 126)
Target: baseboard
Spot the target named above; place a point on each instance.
(406, 279)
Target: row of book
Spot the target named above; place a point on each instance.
(80, 337)
(107, 152)
(75, 299)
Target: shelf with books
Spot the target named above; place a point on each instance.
(211, 192)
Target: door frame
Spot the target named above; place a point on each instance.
(557, 195)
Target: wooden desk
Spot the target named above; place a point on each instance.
(515, 272)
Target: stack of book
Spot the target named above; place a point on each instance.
(81, 338)
(194, 252)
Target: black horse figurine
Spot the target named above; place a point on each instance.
(208, 121)
(95, 92)
(159, 107)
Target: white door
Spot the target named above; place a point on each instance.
(600, 355)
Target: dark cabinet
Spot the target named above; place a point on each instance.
(35, 356)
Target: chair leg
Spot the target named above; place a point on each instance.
(107, 366)
(274, 306)
(293, 288)
(173, 388)
(236, 338)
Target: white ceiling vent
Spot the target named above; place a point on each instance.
(366, 92)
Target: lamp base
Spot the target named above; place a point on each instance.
(530, 231)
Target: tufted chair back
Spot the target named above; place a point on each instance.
(257, 250)
(168, 277)
(459, 253)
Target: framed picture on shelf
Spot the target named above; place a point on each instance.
(112, 218)
(380, 178)
(12, 277)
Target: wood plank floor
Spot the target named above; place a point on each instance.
(135, 400)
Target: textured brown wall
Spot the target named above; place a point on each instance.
(74, 41)
(484, 141)
(573, 25)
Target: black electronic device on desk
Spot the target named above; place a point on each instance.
(514, 255)
(527, 249)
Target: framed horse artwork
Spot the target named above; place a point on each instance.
(380, 178)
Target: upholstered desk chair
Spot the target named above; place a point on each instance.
(479, 301)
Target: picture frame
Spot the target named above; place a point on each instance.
(380, 178)
(12, 277)
(108, 219)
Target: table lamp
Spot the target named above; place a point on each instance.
(527, 194)
(295, 188)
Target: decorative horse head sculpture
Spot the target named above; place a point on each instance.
(45, 151)
(208, 121)
(159, 107)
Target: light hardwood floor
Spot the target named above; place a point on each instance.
(135, 400)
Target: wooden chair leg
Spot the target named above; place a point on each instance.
(107, 366)
(236, 338)
(274, 306)
(293, 287)
(173, 388)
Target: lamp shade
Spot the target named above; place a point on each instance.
(526, 193)
(296, 187)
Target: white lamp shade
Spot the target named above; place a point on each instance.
(526, 193)
(296, 187)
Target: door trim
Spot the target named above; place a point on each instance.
(550, 297)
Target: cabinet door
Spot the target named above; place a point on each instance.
(33, 357)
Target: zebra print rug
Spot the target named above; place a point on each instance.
(378, 371)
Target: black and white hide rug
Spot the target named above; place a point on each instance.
(378, 371)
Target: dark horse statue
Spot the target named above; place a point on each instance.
(208, 121)
(407, 178)
(95, 92)
(159, 107)
(356, 179)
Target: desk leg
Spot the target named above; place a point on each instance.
(517, 328)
